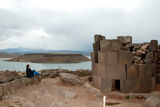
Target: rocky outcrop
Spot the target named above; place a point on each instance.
(50, 58)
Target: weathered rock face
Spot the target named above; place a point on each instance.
(51, 58)
(71, 79)
(122, 65)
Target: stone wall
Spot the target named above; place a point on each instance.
(158, 65)
(119, 64)
(11, 81)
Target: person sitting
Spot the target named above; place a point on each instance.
(30, 73)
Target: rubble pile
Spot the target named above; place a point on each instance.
(11, 81)
(122, 65)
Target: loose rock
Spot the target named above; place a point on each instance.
(71, 79)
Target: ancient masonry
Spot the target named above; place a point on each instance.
(11, 81)
(119, 64)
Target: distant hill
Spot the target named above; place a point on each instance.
(9, 55)
(26, 50)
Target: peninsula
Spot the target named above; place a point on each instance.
(51, 58)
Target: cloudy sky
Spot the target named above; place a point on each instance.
(71, 24)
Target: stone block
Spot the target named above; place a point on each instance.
(148, 84)
(92, 57)
(140, 85)
(4, 88)
(154, 69)
(13, 86)
(36, 80)
(1, 92)
(116, 72)
(7, 89)
(107, 85)
(116, 45)
(158, 77)
(16, 84)
(125, 39)
(110, 45)
(142, 71)
(157, 68)
(150, 70)
(101, 57)
(122, 85)
(112, 58)
(98, 37)
(105, 45)
(97, 82)
(153, 45)
(146, 70)
(132, 71)
(149, 58)
(93, 68)
(25, 81)
(132, 86)
(96, 47)
(124, 57)
(100, 70)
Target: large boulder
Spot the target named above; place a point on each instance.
(71, 79)
(153, 101)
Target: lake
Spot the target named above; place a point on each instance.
(20, 66)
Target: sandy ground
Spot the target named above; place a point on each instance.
(47, 94)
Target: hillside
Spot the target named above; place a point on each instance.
(51, 58)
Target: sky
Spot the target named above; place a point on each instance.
(72, 24)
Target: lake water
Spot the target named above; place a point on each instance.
(20, 66)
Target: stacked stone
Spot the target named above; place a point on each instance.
(11, 81)
(114, 65)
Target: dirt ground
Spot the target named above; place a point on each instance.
(47, 94)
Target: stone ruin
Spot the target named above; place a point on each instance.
(10, 81)
(119, 64)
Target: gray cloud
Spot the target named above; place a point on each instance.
(27, 27)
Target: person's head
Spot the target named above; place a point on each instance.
(28, 66)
